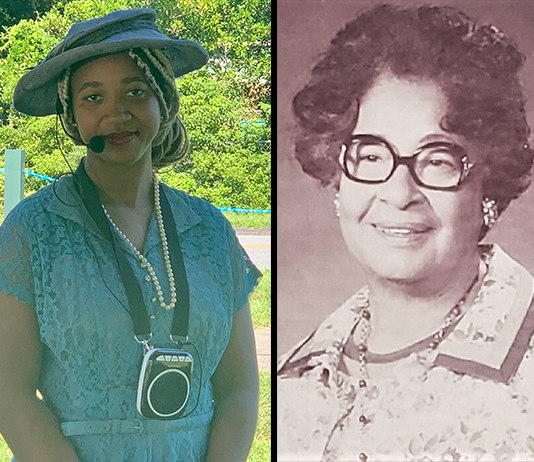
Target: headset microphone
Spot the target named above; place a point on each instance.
(97, 144)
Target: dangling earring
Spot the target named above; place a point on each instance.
(491, 212)
(336, 204)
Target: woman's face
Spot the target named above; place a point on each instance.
(112, 98)
(398, 230)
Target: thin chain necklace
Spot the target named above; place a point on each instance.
(166, 255)
(365, 315)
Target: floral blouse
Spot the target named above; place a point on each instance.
(471, 399)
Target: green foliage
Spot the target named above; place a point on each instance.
(12, 11)
(5, 452)
(261, 446)
(236, 33)
(260, 301)
(249, 220)
(220, 104)
(21, 47)
(229, 164)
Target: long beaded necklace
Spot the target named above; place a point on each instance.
(166, 255)
(365, 316)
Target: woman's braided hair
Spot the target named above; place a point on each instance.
(476, 66)
(171, 142)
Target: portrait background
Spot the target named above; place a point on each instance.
(316, 273)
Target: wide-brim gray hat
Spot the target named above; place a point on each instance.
(36, 92)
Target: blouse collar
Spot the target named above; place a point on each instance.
(66, 203)
(489, 342)
(494, 335)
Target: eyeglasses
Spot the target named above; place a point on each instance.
(438, 165)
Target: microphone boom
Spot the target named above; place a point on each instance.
(97, 144)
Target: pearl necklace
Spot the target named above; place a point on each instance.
(166, 255)
(363, 304)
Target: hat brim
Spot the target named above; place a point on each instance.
(36, 92)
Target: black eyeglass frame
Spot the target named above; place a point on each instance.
(408, 161)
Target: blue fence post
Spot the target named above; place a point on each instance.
(14, 181)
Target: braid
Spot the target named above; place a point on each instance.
(163, 60)
(171, 142)
(162, 63)
(152, 81)
(67, 116)
(158, 58)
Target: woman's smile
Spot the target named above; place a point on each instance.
(406, 233)
(120, 138)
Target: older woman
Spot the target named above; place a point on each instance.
(124, 301)
(416, 116)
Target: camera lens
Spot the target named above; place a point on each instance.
(168, 392)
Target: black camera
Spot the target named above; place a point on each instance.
(164, 383)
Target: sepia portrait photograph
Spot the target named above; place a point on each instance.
(405, 231)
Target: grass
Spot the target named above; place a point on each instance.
(260, 301)
(5, 453)
(261, 447)
(249, 220)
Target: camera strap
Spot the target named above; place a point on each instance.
(138, 310)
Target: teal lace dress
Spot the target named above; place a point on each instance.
(54, 259)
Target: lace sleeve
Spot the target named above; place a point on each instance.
(244, 273)
(16, 272)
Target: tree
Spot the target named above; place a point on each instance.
(236, 33)
(12, 11)
(230, 161)
(225, 105)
